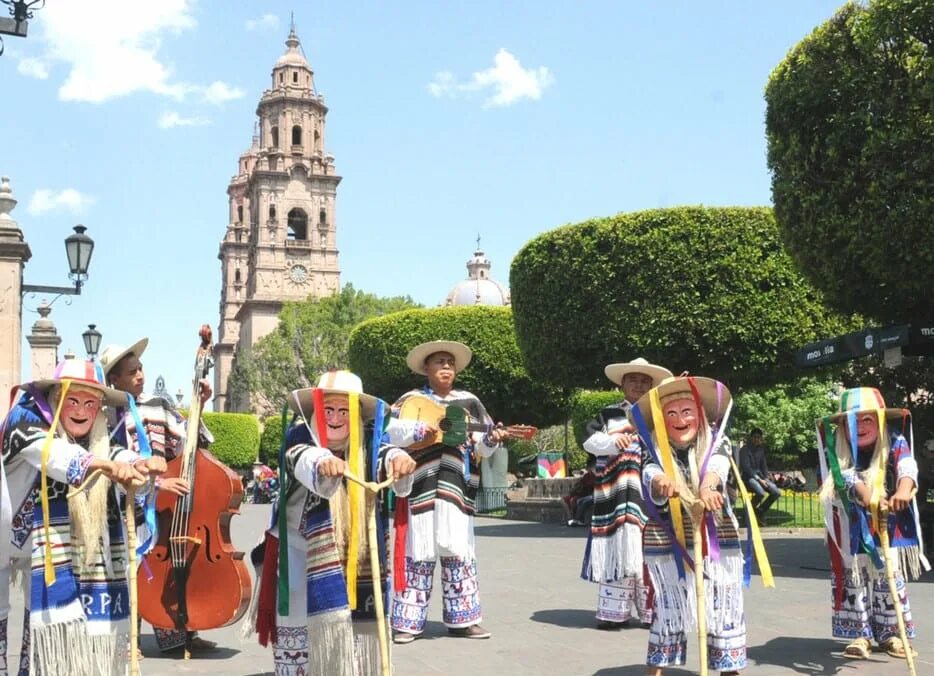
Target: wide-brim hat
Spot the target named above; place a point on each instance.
(615, 372)
(858, 400)
(112, 354)
(83, 373)
(333, 382)
(714, 396)
(418, 354)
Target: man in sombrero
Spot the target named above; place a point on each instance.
(319, 610)
(77, 599)
(148, 420)
(613, 556)
(868, 465)
(437, 520)
(686, 467)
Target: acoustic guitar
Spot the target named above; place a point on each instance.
(452, 423)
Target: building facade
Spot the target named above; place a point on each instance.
(281, 241)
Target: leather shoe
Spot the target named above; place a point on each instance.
(473, 631)
(402, 637)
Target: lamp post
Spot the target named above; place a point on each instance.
(92, 341)
(179, 396)
(20, 10)
(78, 249)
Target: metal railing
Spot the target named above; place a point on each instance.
(793, 510)
(491, 500)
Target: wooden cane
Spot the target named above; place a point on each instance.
(129, 518)
(372, 491)
(890, 578)
(697, 519)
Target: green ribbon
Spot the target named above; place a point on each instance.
(282, 522)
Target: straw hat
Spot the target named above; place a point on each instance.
(615, 372)
(714, 395)
(83, 373)
(333, 382)
(418, 354)
(112, 354)
(864, 400)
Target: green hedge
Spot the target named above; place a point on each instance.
(496, 374)
(270, 440)
(707, 290)
(586, 405)
(851, 150)
(236, 438)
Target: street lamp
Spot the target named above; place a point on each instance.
(179, 396)
(92, 341)
(20, 10)
(78, 248)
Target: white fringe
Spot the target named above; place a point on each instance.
(248, 626)
(61, 648)
(331, 644)
(445, 525)
(616, 557)
(366, 648)
(676, 600)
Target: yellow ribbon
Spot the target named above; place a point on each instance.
(758, 546)
(44, 486)
(668, 464)
(354, 494)
(878, 487)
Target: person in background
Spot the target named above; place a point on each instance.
(755, 474)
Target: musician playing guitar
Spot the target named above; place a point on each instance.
(437, 519)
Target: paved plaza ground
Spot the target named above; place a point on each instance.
(542, 616)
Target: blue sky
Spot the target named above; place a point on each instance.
(447, 119)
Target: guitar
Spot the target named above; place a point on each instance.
(452, 423)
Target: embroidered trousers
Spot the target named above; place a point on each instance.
(615, 600)
(461, 597)
(868, 609)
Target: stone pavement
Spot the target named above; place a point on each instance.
(541, 616)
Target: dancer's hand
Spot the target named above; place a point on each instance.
(331, 466)
(623, 439)
(900, 500)
(712, 499)
(151, 466)
(124, 473)
(401, 465)
(663, 487)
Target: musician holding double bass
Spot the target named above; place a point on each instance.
(165, 430)
(435, 523)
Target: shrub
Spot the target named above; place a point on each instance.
(236, 438)
(707, 290)
(270, 440)
(378, 348)
(585, 406)
(851, 151)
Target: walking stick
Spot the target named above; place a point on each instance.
(372, 491)
(129, 518)
(697, 519)
(890, 578)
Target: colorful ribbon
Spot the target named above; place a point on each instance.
(754, 537)
(44, 486)
(668, 464)
(149, 502)
(355, 462)
(282, 521)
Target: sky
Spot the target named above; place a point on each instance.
(447, 120)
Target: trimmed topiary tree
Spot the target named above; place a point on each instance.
(496, 374)
(236, 438)
(585, 406)
(270, 440)
(708, 290)
(851, 151)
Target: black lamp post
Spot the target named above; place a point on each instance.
(78, 248)
(92, 341)
(179, 396)
(20, 10)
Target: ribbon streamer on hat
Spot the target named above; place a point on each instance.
(355, 462)
(49, 569)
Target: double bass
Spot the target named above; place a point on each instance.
(198, 581)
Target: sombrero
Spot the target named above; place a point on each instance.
(418, 354)
(864, 400)
(83, 373)
(714, 396)
(112, 354)
(615, 372)
(333, 382)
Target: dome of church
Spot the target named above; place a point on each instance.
(479, 288)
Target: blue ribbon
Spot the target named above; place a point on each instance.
(860, 532)
(149, 501)
(380, 421)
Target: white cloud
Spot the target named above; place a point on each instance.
(220, 92)
(267, 21)
(69, 199)
(506, 83)
(170, 119)
(31, 67)
(118, 52)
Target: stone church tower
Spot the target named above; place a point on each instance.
(281, 240)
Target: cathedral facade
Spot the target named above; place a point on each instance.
(280, 242)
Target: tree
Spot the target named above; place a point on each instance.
(707, 290)
(312, 336)
(851, 151)
(786, 413)
(378, 348)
